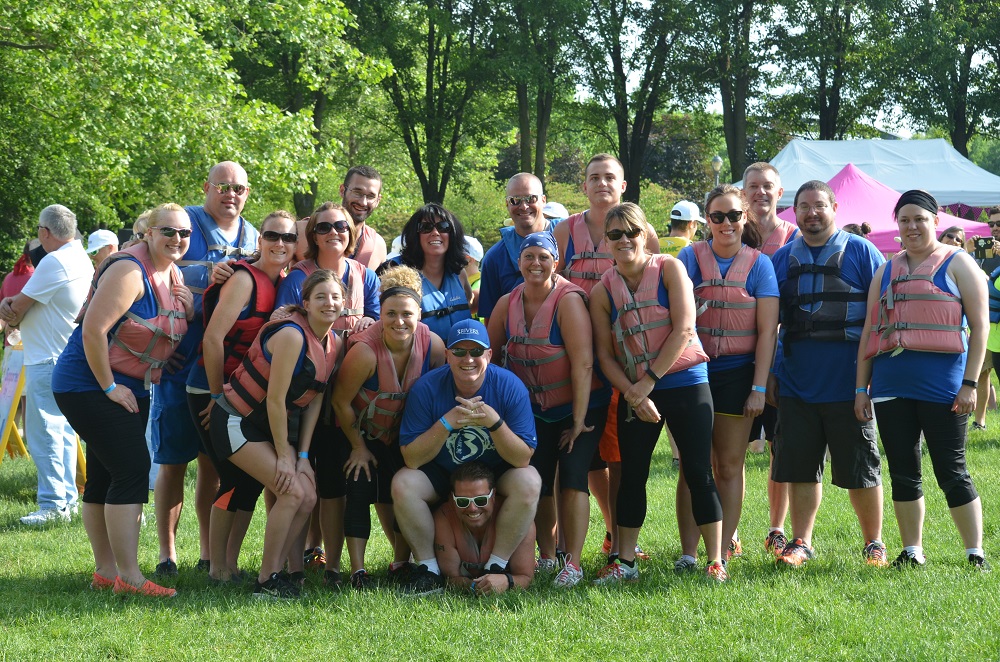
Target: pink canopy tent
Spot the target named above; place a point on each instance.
(863, 199)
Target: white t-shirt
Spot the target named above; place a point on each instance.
(59, 287)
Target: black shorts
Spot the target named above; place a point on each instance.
(731, 388)
(440, 477)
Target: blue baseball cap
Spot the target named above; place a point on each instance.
(469, 329)
(541, 240)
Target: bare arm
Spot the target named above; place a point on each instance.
(574, 321)
(972, 288)
(497, 328)
(446, 551)
(285, 345)
(863, 377)
(767, 334)
(358, 366)
(561, 234)
(600, 317)
(233, 297)
(13, 309)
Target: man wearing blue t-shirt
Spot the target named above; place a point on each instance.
(218, 233)
(823, 277)
(465, 411)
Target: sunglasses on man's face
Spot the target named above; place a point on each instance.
(167, 231)
(734, 216)
(426, 227)
(474, 353)
(615, 235)
(287, 237)
(238, 189)
(481, 501)
(326, 227)
(518, 200)
(993, 224)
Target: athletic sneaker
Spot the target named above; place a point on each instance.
(166, 569)
(685, 564)
(332, 580)
(423, 582)
(796, 553)
(275, 588)
(401, 574)
(979, 563)
(616, 573)
(907, 560)
(976, 427)
(203, 565)
(875, 554)
(148, 589)
(362, 581)
(314, 558)
(569, 576)
(775, 542)
(641, 555)
(735, 550)
(545, 564)
(100, 583)
(716, 571)
(48, 516)
(296, 579)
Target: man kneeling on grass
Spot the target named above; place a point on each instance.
(465, 531)
(466, 411)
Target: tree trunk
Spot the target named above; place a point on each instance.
(543, 117)
(524, 126)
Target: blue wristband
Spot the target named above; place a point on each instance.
(447, 426)
(110, 388)
(860, 390)
(216, 396)
(303, 455)
(758, 389)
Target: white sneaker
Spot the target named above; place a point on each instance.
(569, 576)
(545, 564)
(41, 517)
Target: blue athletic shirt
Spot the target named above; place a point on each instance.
(820, 371)
(72, 373)
(696, 374)
(924, 376)
(433, 396)
(761, 284)
(290, 290)
(499, 269)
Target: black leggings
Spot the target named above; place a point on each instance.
(238, 490)
(328, 453)
(900, 422)
(688, 413)
(362, 493)
(117, 457)
(573, 466)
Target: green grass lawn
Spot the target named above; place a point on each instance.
(836, 608)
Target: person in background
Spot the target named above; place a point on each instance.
(985, 392)
(685, 221)
(14, 282)
(360, 194)
(474, 255)
(100, 245)
(862, 230)
(953, 236)
(554, 211)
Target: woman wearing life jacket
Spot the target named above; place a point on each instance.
(737, 321)
(544, 326)
(374, 379)
(265, 420)
(331, 237)
(917, 366)
(234, 313)
(434, 245)
(135, 316)
(643, 314)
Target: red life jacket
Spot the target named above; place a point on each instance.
(379, 413)
(914, 313)
(586, 266)
(779, 237)
(727, 314)
(354, 306)
(140, 347)
(529, 353)
(246, 390)
(239, 338)
(643, 324)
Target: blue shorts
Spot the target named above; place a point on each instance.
(174, 437)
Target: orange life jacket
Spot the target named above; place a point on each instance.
(140, 347)
(472, 555)
(239, 338)
(642, 325)
(379, 412)
(914, 313)
(727, 314)
(246, 390)
(586, 266)
(779, 237)
(354, 306)
(529, 353)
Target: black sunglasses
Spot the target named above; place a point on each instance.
(325, 227)
(287, 237)
(993, 224)
(615, 235)
(953, 237)
(734, 216)
(475, 353)
(167, 231)
(426, 227)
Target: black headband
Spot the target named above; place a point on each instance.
(922, 199)
(397, 289)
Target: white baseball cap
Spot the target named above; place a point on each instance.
(473, 248)
(686, 211)
(554, 210)
(100, 239)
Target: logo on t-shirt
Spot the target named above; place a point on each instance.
(468, 444)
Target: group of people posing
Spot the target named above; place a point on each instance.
(346, 378)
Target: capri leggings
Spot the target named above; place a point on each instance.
(328, 453)
(687, 411)
(900, 422)
(362, 493)
(238, 490)
(573, 466)
(117, 456)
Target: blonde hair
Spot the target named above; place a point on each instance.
(156, 214)
(401, 276)
(278, 213)
(629, 214)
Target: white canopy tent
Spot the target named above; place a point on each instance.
(932, 165)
